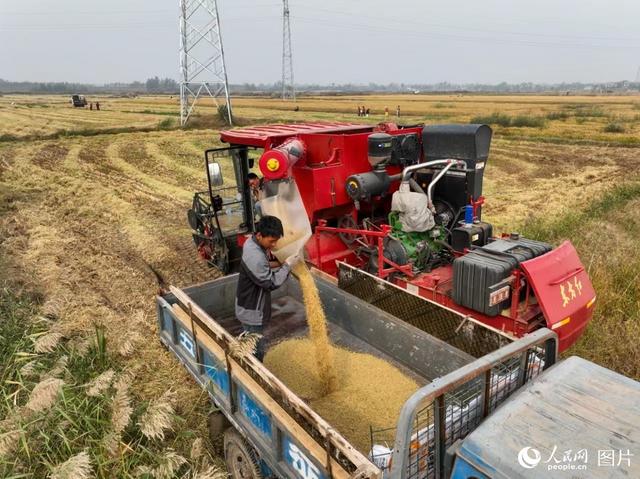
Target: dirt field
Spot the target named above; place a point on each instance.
(87, 213)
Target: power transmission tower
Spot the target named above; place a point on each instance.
(203, 72)
(288, 90)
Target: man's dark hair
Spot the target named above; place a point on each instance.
(270, 226)
(252, 176)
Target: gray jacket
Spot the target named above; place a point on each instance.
(255, 283)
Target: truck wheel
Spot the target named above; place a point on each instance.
(218, 424)
(241, 459)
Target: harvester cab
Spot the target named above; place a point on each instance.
(222, 216)
(401, 204)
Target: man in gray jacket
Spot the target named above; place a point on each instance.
(259, 275)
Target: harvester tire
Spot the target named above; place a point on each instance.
(241, 458)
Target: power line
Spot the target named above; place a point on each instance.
(431, 34)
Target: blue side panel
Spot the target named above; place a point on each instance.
(299, 462)
(463, 470)
(167, 324)
(254, 413)
(216, 372)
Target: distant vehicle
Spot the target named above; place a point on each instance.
(78, 101)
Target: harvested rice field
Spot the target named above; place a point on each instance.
(93, 208)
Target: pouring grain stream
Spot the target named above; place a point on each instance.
(324, 353)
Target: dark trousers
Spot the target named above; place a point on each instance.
(261, 347)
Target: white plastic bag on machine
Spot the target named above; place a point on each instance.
(288, 206)
(413, 207)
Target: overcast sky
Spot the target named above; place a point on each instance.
(334, 41)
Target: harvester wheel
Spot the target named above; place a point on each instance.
(241, 458)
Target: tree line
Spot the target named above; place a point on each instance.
(171, 86)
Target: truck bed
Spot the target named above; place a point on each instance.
(352, 323)
(291, 439)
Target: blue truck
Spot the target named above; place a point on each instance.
(489, 406)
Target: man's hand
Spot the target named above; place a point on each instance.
(293, 260)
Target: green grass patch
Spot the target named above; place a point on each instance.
(557, 115)
(495, 118)
(614, 127)
(502, 119)
(573, 223)
(528, 121)
(589, 112)
(166, 123)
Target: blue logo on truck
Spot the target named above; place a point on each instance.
(186, 342)
(254, 413)
(299, 461)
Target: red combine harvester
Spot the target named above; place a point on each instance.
(403, 204)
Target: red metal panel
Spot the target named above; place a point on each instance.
(264, 136)
(564, 291)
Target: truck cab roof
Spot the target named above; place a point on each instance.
(544, 430)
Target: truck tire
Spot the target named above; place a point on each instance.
(217, 425)
(241, 458)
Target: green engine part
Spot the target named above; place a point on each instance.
(418, 245)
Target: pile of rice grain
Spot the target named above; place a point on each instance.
(369, 391)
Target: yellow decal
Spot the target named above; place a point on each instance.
(570, 290)
(273, 164)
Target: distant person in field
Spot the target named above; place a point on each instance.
(359, 111)
(367, 113)
(91, 106)
(98, 105)
(398, 111)
(259, 275)
(386, 112)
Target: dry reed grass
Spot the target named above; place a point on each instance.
(101, 383)
(47, 342)
(44, 395)
(245, 344)
(159, 416)
(168, 466)
(121, 405)
(76, 467)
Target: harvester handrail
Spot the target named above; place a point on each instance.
(419, 166)
(434, 393)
